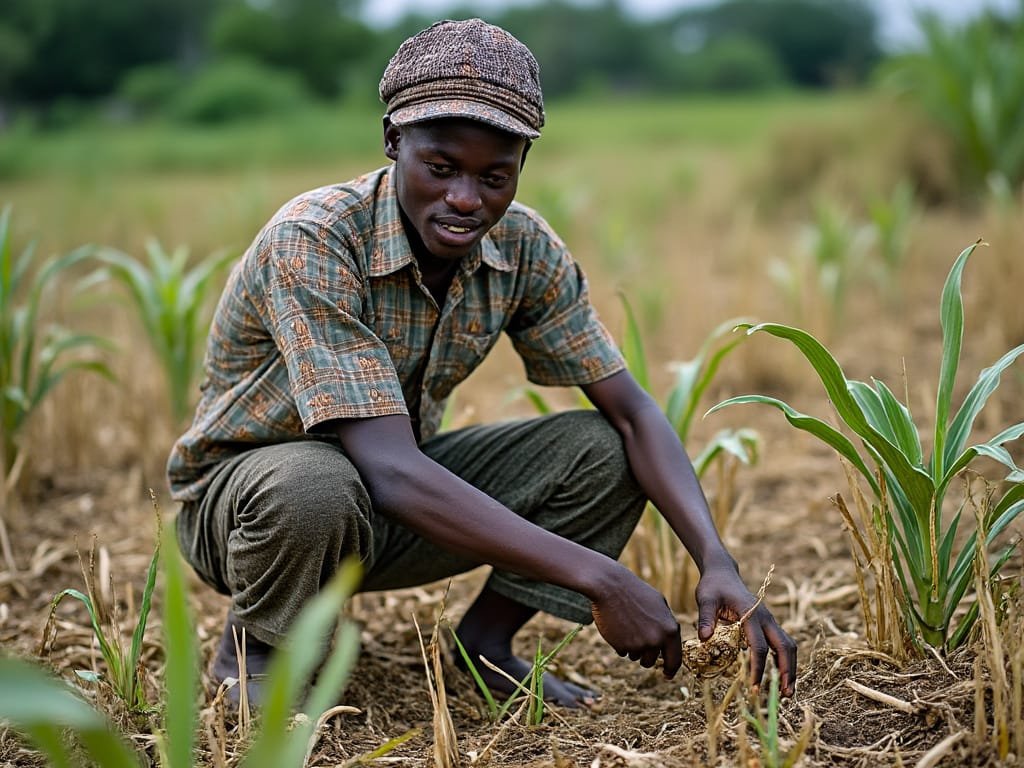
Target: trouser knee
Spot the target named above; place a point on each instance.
(278, 520)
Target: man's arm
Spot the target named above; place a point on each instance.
(419, 493)
(664, 471)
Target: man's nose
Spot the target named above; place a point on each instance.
(463, 195)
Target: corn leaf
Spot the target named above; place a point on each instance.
(997, 519)
(34, 702)
(292, 666)
(951, 318)
(744, 444)
(963, 422)
(492, 705)
(902, 423)
(181, 673)
(537, 400)
(874, 411)
(915, 483)
(110, 655)
(993, 449)
(694, 376)
(827, 434)
(633, 347)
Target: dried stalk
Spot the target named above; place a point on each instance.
(446, 752)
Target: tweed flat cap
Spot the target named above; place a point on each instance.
(465, 69)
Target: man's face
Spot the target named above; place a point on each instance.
(455, 179)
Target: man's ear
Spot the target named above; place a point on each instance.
(392, 135)
(526, 149)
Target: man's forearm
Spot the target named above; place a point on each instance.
(444, 509)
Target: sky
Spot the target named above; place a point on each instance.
(896, 17)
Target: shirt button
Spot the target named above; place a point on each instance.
(375, 394)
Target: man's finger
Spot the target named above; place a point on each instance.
(758, 652)
(706, 616)
(672, 653)
(650, 657)
(785, 657)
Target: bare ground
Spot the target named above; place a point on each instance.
(641, 720)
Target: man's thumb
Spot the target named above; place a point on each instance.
(706, 620)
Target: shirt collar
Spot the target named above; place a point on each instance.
(391, 251)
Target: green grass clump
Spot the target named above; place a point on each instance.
(531, 686)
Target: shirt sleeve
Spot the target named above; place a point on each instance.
(312, 301)
(556, 330)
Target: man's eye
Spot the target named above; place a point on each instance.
(495, 181)
(440, 169)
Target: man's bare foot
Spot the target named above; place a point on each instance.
(487, 630)
(556, 690)
(225, 662)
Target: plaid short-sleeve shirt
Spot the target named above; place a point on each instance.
(326, 317)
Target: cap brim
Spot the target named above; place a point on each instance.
(473, 110)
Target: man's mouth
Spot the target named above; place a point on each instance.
(457, 230)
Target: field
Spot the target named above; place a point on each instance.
(698, 212)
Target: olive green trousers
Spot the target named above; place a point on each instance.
(276, 521)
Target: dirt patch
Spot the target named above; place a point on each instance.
(641, 720)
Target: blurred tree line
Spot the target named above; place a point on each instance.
(214, 60)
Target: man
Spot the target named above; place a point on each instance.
(338, 338)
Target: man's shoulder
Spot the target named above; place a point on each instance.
(522, 224)
(344, 204)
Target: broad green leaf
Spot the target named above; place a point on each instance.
(33, 701)
(992, 448)
(704, 379)
(827, 434)
(951, 317)
(916, 483)
(963, 422)
(181, 671)
(291, 667)
(902, 423)
(874, 411)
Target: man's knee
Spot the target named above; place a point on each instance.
(602, 450)
(302, 492)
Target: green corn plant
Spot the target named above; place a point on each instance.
(282, 741)
(33, 358)
(908, 489)
(891, 220)
(970, 81)
(830, 252)
(655, 550)
(123, 666)
(171, 301)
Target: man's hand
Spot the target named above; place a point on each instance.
(635, 620)
(721, 594)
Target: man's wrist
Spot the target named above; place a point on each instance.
(714, 558)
